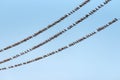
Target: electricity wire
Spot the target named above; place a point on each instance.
(57, 34)
(64, 47)
(46, 28)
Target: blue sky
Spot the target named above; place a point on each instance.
(96, 58)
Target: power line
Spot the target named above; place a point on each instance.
(46, 28)
(56, 35)
(64, 47)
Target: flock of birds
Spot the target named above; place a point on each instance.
(56, 35)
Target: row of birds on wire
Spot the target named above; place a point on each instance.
(93, 11)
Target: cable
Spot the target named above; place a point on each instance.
(64, 47)
(56, 35)
(46, 28)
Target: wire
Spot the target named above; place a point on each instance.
(46, 28)
(56, 35)
(64, 47)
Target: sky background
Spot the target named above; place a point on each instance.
(97, 58)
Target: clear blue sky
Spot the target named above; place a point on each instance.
(97, 58)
